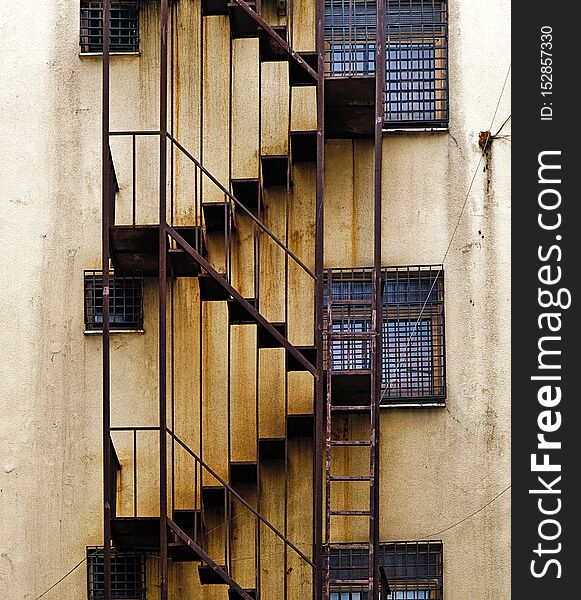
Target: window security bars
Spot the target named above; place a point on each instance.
(413, 350)
(127, 575)
(416, 88)
(414, 571)
(124, 26)
(125, 301)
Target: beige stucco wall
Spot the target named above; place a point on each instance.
(438, 465)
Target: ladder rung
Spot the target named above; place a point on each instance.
(340, 545)
(349, 443)
(349, 478)
(351, 408)
(352, 582)
(350, 513)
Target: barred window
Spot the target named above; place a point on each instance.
(416, 87)
(413, 569)
(413, 350)
(124, 26)
(125, 301)
(127, 574)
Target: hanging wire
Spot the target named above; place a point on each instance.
(413, 333)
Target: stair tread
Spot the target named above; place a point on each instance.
(350, 513)
(350, 443)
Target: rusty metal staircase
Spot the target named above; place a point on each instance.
(170, 252)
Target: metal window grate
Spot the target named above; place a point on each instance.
(414, 570)
(124, 26)
(127, 575)
(350, 32)
(413, 349)
(416, 87)
(125, 301)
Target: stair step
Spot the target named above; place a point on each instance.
(136, 248)
(349, 513)
(309, 352)
(269, 49)
(349, 443)
(242, 24)
(209, 577)
(275, 170)
(182, 264)
(248, 193)
(303, 146)
(135, 533)
(218, 216)
(214, 7)
(238, 313)
(179, 552)
(349, 478)
(213, 495)
(271, 448)
(234, 595)
(300, 425)
(211, 290)
(267, 340)
(243, 472)
(189, 521)
(359, 408)
(297, 75)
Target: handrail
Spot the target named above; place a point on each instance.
(241, 206)
(238, 496)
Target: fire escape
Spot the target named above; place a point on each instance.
(352, 104)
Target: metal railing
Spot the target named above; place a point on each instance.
(201, 477)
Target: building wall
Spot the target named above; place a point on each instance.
(438, 466)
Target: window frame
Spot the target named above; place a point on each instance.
(412, 577)
(416, 97)
(91, 28)
(421, 288)
(135, 588)
(130, 318)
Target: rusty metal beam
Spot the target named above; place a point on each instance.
(380, 66)
(319, 264)
(106, 224)
(163, 567)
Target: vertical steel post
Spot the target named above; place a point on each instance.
(106, 217)
(380, 71)
(319, 257)
(162, 302)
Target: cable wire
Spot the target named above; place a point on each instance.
(413, 333)
(61, 579)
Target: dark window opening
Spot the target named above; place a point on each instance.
(125, 301)
(124, 26)
(127, 575)
(416, 87)
(414, 571)
(413, 351)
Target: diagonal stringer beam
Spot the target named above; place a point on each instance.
(277, 39)
(187, 540)
(241, 300)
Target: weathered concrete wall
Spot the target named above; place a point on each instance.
(438, 465)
